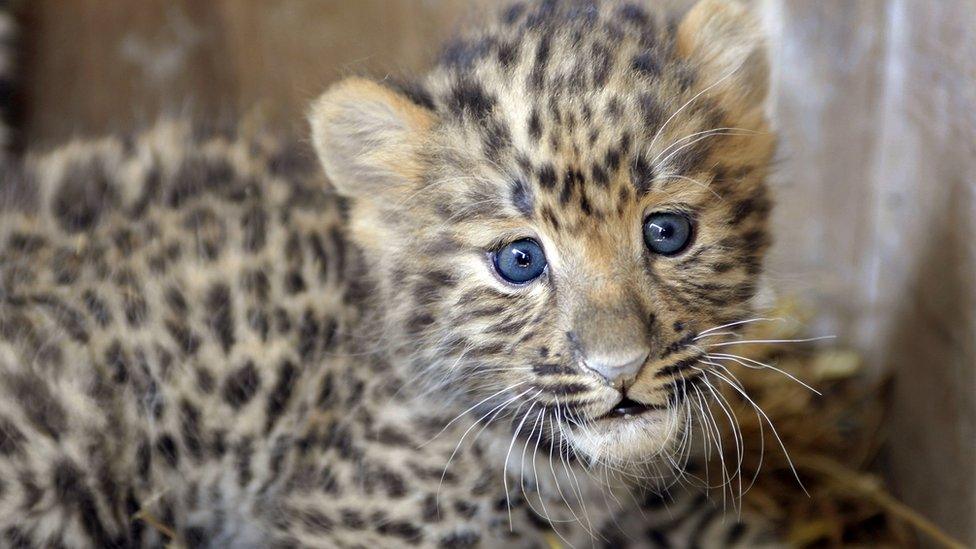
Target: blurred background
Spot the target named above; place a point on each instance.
(876, 187)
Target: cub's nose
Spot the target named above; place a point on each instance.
(619, 369)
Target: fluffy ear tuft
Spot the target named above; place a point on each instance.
(368, 137)
(725, 41)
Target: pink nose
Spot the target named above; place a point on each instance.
(619, 369)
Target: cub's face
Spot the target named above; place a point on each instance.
(559, 216)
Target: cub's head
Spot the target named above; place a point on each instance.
(560, 210)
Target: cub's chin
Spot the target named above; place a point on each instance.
(628, 439)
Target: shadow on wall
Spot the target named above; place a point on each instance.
(932, 351)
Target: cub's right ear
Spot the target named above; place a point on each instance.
(368, 138)
(724, 41)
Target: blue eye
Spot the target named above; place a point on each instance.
(667, 233)
(520, 261)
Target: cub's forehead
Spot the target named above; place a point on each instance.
(565, 92)
(570, 61)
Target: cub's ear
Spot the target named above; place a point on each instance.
(368, 137)
(724, 41)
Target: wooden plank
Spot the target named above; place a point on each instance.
(923, 272)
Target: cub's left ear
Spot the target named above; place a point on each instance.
(724, 41)
(368, 137)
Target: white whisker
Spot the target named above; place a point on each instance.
(739, 323)
(760, 365)
(749, 341)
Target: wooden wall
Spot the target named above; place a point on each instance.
(875, 99)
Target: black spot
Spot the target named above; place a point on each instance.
(571, 180)
(294, 283)
(600, 176)
(634, 13)
(280, 394)
(117, 361)
(314, 521)
(646, 63)
(547, 176)
(419, 321)
(135, 307)
(68, 318)
(430, 510)
(521, 197)
(677, 346)
(496, 138)
(220, 315)
(612, 160)
(143, 460)
(240, 386)
(465, 509)
(308, 335)
(401, 529)
(243, 452)
(392, 482)
(258, 320)
(176, 301)
(550, 217)
(548, 369)
(678, 367)
(205, 380)
(39, 406)
(190, 429)
(166, 447)
(254, 226)
(508, 53)
(326, 391)
(66, 265)
(188, 341)
(564, 389)
(584, 201)
(735, 534)
(24, 243)
(652, 112)
(82, 196)
(97, 308)
(469, 98)
(642, 175)
(70, 489)
(535, 125)
(256, 283)
(195, 536)
(319, 255)
(208, 231)
(283, 323)
(460, 540)
(538, 74)
(17, 538)
(748, 207)
(197, 175)
(11, 439)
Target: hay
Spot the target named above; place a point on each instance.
(834, 442)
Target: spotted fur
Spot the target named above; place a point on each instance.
(204, 340)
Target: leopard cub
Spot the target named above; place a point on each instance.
(475, 320)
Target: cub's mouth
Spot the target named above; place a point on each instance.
(631, 432)
(628, 407)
